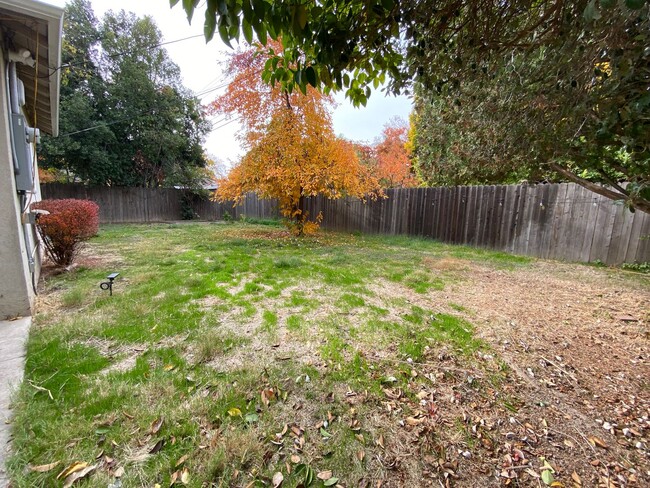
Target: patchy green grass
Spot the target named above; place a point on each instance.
(184, 339)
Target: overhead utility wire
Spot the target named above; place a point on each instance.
(227, 123)
(205, 92)
(98, 126)
(218, 80)
(121, 53)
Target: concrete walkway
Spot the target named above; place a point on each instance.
(13, 334)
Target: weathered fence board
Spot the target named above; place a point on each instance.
(558, 221)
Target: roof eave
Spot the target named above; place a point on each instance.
(54, 18)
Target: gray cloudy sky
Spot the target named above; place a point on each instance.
(199, 65)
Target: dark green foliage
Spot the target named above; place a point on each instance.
(188, 200)
(146, 129)
(574, 110)
(529, 89)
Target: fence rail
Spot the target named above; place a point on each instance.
(557, 221)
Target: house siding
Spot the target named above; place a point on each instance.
(16, 291)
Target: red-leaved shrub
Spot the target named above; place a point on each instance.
(68, 223)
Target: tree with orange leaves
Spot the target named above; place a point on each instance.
(292, 151)
(393, 156)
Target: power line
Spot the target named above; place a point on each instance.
(227, 123)
(200, 94)
(216, 125)
(91, 128)
(223, 85)
(218, 79)
(121, 53)
(106, 124)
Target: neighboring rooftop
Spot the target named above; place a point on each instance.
(36, 27)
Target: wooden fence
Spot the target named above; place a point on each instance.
(558, 221)
(124, 205)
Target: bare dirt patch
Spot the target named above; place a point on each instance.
(254, 233)
(577, 338)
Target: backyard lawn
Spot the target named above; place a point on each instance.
(236, 355)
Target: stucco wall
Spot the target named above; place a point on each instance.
(16, 293)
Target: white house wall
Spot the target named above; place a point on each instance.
(16, 293)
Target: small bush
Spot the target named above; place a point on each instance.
(68, 223)
(637, 267)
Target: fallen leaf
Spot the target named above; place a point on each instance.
(361, 454)
(251, 418)
(413, 421)
(422, 395)
(169, 367)
(78, 475)
(119, 472)
(156, 425)
(547, 472)
(331, 482)
(44, 468)
(157, 446)
(278, 478)
(128, 415)
(576, 478)
(76, 466)
(295, 459)
(234, 412)
(532, 473)
(324, 475)
(597, 442)
(547, 477)
(568, 443)
(181, 460)
(174, 478)
(380, 441)
(185, 476)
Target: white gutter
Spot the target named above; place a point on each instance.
(54, 18)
